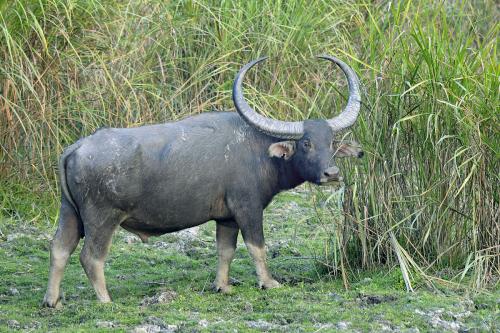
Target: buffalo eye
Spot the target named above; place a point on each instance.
(307, 144)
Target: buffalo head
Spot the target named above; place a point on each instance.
(310, 146)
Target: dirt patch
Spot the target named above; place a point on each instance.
(149, 328)
(154, 325)
(445, 320)
(105, 324)
(13, 324)
(185, 241)
(282, 248)
(161, 298)
(261, 325)
(366, 300)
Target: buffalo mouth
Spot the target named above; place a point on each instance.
(330, 175)
(329, 180)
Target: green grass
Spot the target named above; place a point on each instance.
(424, 200)
(310, 300)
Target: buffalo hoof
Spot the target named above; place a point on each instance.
(269, 284)
(223, 289)
(51, 302)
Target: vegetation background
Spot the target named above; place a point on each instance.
(426, 196)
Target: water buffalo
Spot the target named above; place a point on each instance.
(221, 166)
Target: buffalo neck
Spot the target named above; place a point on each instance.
(279, 174)
(288, 177)
(283, 175)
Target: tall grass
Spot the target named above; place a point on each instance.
(425, 197)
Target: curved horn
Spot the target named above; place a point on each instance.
(351, 111)
(276, 128)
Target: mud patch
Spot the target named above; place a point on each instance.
(367, 300)
(161, 298)
(282, 248)
(105, 324)
(149, 328)
(261, 325)
(445, 320)
(13, 324)
(155, 325)
(185, 241)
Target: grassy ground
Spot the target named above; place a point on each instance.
(182, 267)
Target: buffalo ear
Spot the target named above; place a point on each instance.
(282, 149)
(349, 149)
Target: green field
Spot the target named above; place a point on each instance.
(419, 212)
(183, 266)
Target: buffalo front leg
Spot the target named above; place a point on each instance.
(64, 243)
(250, 223)
(226, 236)
(95, 249)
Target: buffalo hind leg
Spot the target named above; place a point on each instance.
(226, 236)
(249, 220)
(95, 249)
(66, 238)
